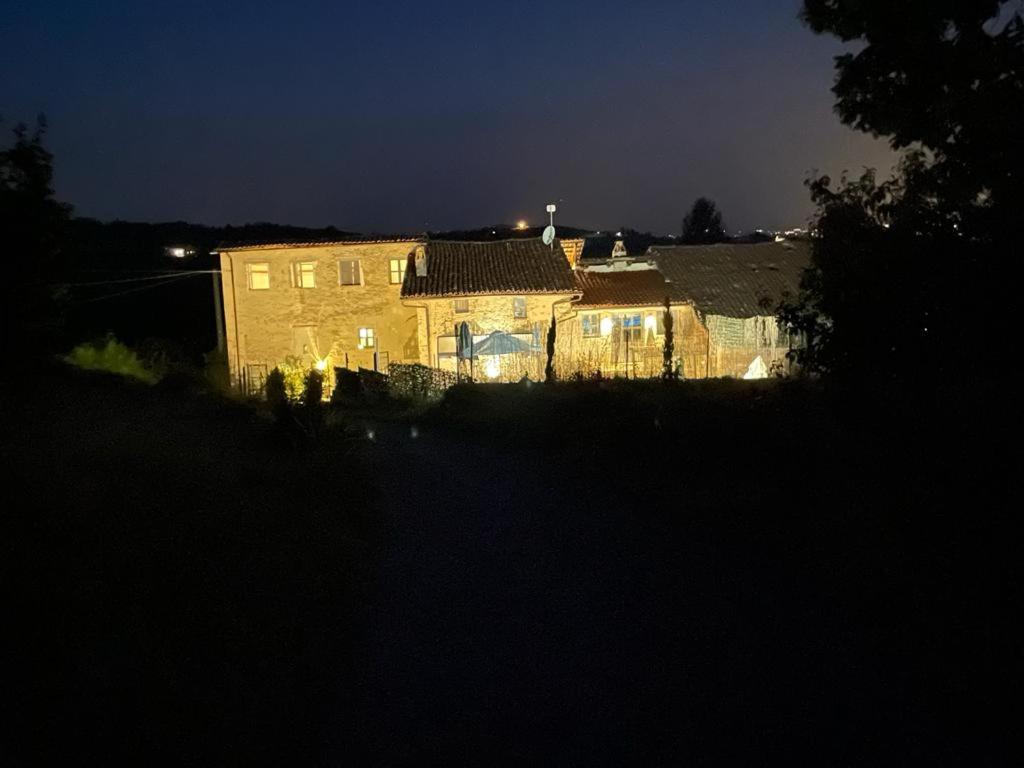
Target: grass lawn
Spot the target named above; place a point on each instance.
(587, 574)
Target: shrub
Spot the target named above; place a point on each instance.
(216, 371)
(111, 356)
(277, 395)
(346, 386)
(415, 381)
(294, 373)
(312, 400)
(313, 388)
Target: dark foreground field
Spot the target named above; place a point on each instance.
(711, 574)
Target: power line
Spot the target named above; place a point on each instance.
(136, 290)
(167, 276)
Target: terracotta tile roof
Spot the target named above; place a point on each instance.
(315, 243)
(733, 280)
(622, 289)
(510, 266)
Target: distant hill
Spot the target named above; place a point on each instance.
(94, 244)
(507, 232)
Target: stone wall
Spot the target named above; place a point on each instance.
(609, 353)
(487, 314)
(266, 327)
(736, 343)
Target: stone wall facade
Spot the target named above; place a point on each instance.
(300, 310)
(439, 318)
(610, 353)
(326, 322)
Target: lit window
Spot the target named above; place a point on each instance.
(632, 326)
(349, 272)
(366, 338)
(461, 306)
(519, 307)
(591, 325)
(397, 272)
(304, 274)
(258, 275)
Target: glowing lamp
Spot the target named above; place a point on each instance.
(606, 326)
(321, 365)
(492, 368)
(521, 224)
(650, 322)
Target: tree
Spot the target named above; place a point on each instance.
(900, 267)
(668, 370)
(947, 75)
(32, 222)
(549, 368)
(703, 224)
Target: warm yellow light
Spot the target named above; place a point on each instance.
(606, 326)
(492, 368)
(521, 224)
(321, 365)
(650, 322)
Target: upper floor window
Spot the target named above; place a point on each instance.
(519, 307)
(304, 274)
(397, 270)
(258, 275)
(591, 324)
(350, 272)
(461, 305)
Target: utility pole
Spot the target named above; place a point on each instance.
(218, 309)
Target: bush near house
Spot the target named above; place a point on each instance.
(418, 382)
(111, 356)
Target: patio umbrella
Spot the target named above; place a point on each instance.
(500, 343)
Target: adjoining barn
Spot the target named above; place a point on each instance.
(735, 290)
(619, 328)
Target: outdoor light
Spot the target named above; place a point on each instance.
(492, 368)
(606, 326)
(521, 224)
(321, 365)
(650, 322)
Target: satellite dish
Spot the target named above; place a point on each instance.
(549, 235)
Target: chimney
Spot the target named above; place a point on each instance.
(421, 260)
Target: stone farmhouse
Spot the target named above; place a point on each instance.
(375, 302)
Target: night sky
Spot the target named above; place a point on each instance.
(409, 116)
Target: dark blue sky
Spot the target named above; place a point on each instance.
(405, 116)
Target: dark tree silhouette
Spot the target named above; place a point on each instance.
(703, 224)
(899, 266)
(32, 222)
(549, 368)
(668, 370)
